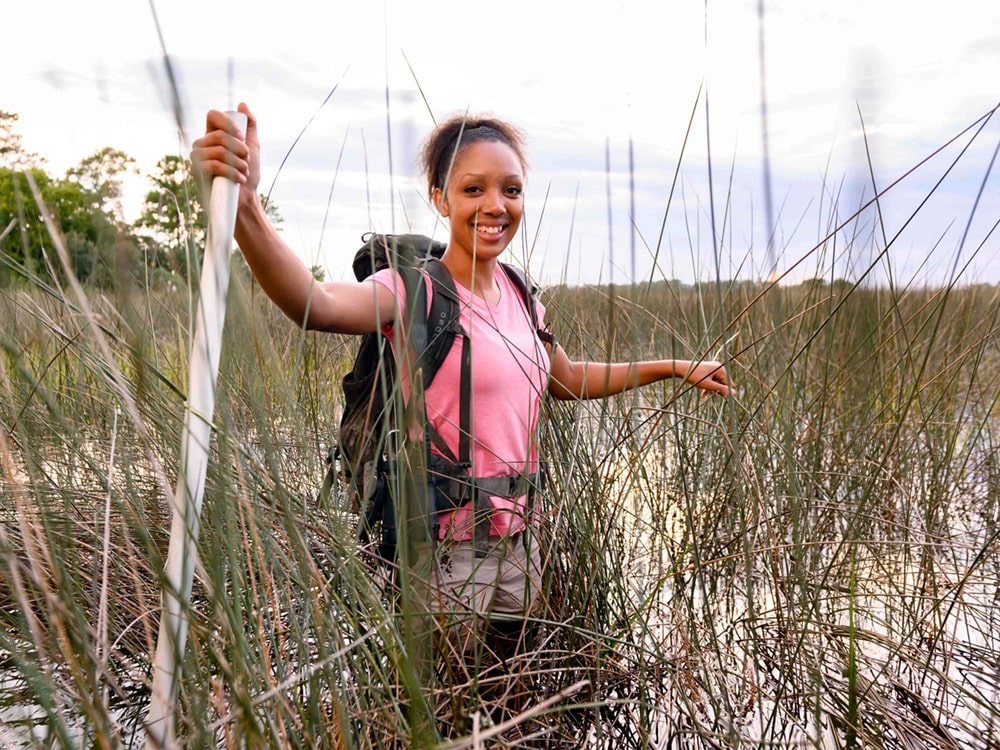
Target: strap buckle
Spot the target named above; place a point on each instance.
(513, 485)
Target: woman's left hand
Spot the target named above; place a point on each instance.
(710, 376)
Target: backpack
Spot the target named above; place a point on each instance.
(363, 457)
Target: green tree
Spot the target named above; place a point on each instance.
(20, 219)
(101, 248)
(173, 221)
(88, 234)
(100, 174)
(85, 205)
(12, 153)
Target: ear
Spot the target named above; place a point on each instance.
(440, 201)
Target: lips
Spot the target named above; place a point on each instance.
(490, 231)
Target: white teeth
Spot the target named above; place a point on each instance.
(491, 230)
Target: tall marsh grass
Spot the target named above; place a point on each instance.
(813, 562)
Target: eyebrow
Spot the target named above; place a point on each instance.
(475, 175)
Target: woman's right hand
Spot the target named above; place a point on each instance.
(227, 151)
(342, 307)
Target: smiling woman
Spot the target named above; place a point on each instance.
(814, 564)
(480, 194)
(478, 571)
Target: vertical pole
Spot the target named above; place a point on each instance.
(203, 370)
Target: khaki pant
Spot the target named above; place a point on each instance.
(483, 601)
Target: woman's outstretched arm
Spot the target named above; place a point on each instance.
(586, 380)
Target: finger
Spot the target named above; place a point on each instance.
(216, 120)
(221, 169)
(719, 376)
(251, 118)
(218, 160)
(712, 386)
(251, 134)
(219, 145)
(208, 149)
(220, 138)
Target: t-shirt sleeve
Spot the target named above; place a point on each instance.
(391, 280)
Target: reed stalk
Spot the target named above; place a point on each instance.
(812, 563)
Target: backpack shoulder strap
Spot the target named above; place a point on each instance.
(442, 319)
(528, 295)
(416, 312)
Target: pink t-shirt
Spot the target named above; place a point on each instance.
(510, 370)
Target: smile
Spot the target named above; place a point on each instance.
(489, 230)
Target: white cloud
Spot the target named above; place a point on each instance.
(574, 78)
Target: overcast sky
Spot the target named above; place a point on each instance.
(584, 81)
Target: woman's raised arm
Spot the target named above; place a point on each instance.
(342, 307)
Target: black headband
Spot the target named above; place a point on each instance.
(478, 134)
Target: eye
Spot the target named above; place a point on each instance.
(472, 189)
(514, 190)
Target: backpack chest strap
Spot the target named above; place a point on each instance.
(459, 490)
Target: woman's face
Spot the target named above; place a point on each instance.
(484, 201)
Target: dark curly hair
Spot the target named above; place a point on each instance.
(446, 141)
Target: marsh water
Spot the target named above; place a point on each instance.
(814, 563)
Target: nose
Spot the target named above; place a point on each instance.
(494, 203)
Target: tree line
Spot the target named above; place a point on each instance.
(163, 246)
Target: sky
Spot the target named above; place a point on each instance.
(644, 121)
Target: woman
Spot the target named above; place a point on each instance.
(475, 168)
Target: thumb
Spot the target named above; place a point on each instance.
(251, 122)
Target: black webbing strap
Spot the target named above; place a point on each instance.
(416, 314)
(465, 406)
(482, 509)
(416, 321)
(442, 318)
(458, 490)
(528, 294)
(528, 291)
(438, 442)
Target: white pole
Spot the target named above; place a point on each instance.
(203, 372)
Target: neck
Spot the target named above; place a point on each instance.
(475, 276)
